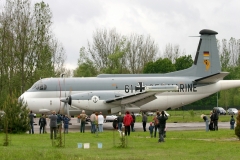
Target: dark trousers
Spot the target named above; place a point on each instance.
(132, 127)
(53, 129)
(144, 126)
(127, 130)
(161, 134)
(93, 130)
(31, 128)
(42, 127)
(82, 127)
(155, 130)
(215, 123)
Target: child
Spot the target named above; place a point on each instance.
(232, 122)
(151, 127)
(66, 123)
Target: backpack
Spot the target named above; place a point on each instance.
(156, 121)
(232, 121)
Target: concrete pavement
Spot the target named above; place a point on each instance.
(75, 127)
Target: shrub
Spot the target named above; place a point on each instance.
(237, 128)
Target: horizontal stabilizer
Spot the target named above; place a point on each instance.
(213, 78)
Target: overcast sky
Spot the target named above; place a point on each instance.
(166, 21)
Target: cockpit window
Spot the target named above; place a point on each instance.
(39, 86)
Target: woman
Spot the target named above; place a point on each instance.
(205, 118)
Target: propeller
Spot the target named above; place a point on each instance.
(67, 101)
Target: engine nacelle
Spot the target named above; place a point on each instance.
(92, 100)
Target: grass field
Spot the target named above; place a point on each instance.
(219, 145)
(188, 116)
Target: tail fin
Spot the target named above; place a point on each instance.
(206, 61)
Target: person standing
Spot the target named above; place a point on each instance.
(132, 124)
(119, 121)
(42, 123)
(31, 121)
(151, 127)
(93, 120)
(162, 125)
(211, 122)
(232, 122)
(156, 123)
(215, 119)
(83, 118)
(59, 121)
(100, 122)
(127, 120)
(66, 123)
(53, 125)
(144, 121)
(205, 118)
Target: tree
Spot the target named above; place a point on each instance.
(172, 52)
(110, 52)
(16, 115)
(140, 51)
(160, 66)
(183, 62)
(28, 48)
(85, 66)
(237, 128)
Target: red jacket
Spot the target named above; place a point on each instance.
(127, 120)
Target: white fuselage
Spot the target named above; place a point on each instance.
(46, 101)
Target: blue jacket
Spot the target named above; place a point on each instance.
(66, 122)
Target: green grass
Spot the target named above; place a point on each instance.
(199, 144)
(185, 116)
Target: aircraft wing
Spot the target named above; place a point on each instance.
(142, 98)
(213, 78)
(136, 99)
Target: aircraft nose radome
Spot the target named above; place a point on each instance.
(20, 99)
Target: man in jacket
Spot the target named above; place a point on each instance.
(215, 119)
(93, 120)
(83, 118)
(119, 121)
(162, 125)
(42, 122)
(144, 121)
(66, 123)
(132, 124)
(53, 125)
(31, 118)
(127, 120)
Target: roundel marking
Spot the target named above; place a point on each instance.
(95, 99)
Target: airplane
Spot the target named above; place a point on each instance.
(113, 93)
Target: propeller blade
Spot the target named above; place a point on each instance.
(64, 100)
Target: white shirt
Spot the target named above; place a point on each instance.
(100, 119)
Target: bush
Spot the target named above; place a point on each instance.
(237, 128)
(16, 115)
